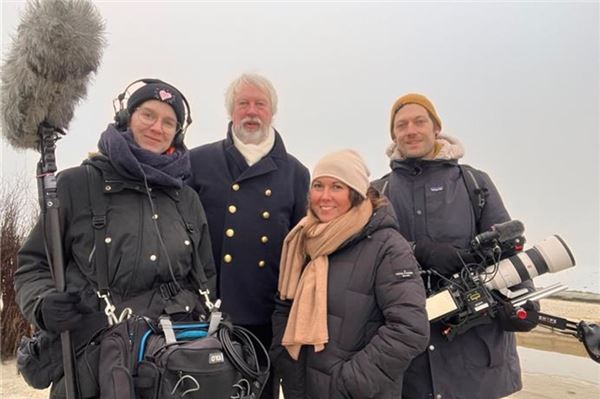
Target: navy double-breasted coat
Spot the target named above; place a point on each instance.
(250, 210)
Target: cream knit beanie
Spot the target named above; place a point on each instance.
(348, 167)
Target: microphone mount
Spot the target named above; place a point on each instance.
(49, 205)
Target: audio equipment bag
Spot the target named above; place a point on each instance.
(142, 359)
(194, 369)
(37, 363)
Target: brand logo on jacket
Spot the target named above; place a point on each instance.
(405, 274)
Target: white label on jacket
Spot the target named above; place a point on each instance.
(436, 189)
(405, 274)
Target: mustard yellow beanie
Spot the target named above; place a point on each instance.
(413, 98)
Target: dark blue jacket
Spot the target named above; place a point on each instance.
(431, 201)
(250, 210)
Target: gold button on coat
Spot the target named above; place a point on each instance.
(262, 263)
(235, 187)
(266, 215)
(268, 192)
(227, 258)
(229, 232)
(232, 209)
(264, 239)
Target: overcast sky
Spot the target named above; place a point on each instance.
(517, 82)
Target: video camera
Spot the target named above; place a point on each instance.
(468, 298)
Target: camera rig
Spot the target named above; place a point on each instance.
(471, 296)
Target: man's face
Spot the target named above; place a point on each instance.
(251, 115)
(415, 132)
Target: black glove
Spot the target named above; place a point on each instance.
(521, 319)
(61, 311)
(589, 334)
(442, 257)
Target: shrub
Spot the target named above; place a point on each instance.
(17, 213)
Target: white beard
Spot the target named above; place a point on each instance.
(251, 137)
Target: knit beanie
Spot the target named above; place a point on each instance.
(160, 91)
(413, 98)
(348, 167)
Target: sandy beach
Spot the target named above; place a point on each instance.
(547, 358)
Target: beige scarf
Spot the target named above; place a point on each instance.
(307, 322)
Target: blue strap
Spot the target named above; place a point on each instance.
(188, 332)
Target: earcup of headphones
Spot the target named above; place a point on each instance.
(122, 119)
(178, 139)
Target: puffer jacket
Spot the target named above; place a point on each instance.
(138, 266)
(375, 316)
(431, 202)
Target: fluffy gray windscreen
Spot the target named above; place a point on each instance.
(58, 45)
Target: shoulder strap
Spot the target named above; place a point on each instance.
(381, 184)
(476, 188)
(98, 204)
(199, 276)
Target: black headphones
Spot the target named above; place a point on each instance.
(122, 114)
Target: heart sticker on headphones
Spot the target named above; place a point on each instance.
(164, 95)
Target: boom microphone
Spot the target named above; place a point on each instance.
(58, 44)
(502, 232)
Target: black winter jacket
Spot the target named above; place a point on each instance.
(375, 316)
(137, 264)
(431, 201)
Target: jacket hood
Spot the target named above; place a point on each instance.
(449, 149)
(382, 218)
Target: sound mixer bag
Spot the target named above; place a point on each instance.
(140, 359)
(197, 369)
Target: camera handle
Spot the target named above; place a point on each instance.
(587, 333)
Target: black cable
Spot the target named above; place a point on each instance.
(250, 369)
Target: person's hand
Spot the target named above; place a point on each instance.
(442, 257)
(522, 319)
(62, 311)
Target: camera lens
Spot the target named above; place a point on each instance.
(549, 256)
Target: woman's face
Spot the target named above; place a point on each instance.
(329, 198)
(153, 125)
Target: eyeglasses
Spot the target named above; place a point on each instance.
(148, 117)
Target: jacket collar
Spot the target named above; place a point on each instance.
(416, 165)
(449, 148)
(267, 164)
(115, 182)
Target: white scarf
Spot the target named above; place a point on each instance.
(255, 152)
